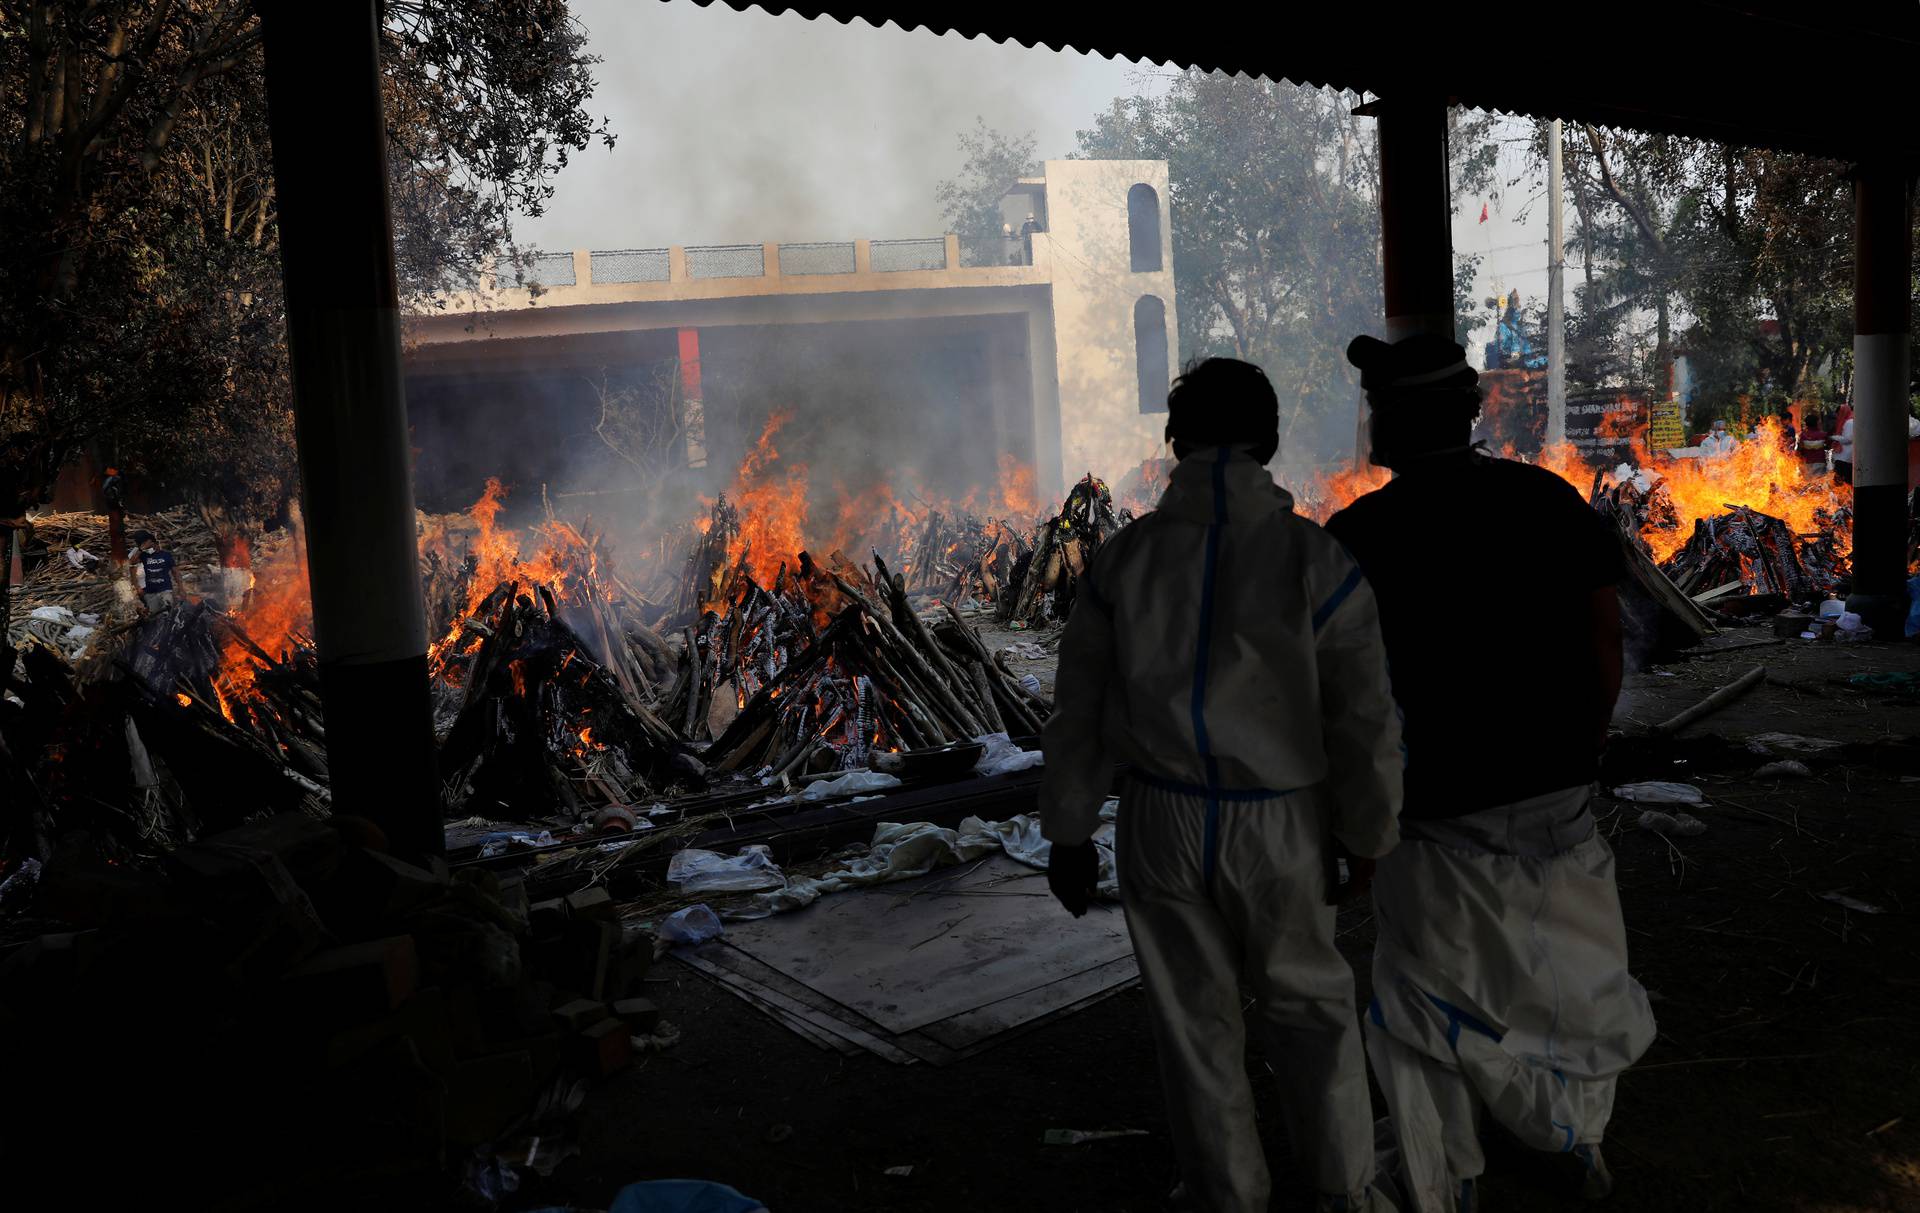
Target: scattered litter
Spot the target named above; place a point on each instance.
(1686, 825)
(752, 870)
(664, 1036)
(1899, 682)
(1074, 1137)
(1657, 792)
(1032, 686)
(695, 924)
(1003, 757)
(1027, 650)
(20, 885)
(1792, 743)
(851, 782)
(513, 840)
(1784, 767)
(779, 1133)
(1852, 903)
(900, 1172)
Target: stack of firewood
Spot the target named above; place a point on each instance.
(1757, 550)
(542, 722)
(875, 678)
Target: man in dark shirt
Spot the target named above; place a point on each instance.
(155, 573)
(1498, 912)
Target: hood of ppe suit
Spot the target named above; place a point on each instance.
(1225, 643)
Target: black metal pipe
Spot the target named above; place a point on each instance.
(350, 415)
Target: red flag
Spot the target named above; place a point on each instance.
(1483, 212)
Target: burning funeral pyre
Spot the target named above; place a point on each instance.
(567, 682)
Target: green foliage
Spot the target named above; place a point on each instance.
(140, 295)
(994, 161)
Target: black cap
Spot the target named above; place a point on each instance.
(1422, 362)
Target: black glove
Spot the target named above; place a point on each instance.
(1359, 873)
(1072, 873)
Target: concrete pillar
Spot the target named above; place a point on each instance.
(863, 256)
(1043, 380)
(770, 259)
(1416, 216)
(953, 251)
(583, 267)
(350, 415)
(676, 264)
(1882, 350)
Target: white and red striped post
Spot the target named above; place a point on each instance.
(1882, 350)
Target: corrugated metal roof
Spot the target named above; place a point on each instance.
(1833, 77)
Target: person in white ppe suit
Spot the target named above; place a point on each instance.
(1500, 969)
(1226, 651)
(1718, 443)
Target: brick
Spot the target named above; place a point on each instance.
(361, 979)
(580, 1014)
(603, 1049)
(595, 903)
(549, 917)
(639, 1014)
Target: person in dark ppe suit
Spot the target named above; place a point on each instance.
(1500, 968)
(1226, 650)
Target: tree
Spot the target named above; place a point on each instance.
(971, 200)
(129, 126)
(140, 295)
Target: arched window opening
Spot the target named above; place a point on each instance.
(1150, 353)
(1143, 227)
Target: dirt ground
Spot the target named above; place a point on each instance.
(1786, 1074)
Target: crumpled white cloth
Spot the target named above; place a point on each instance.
(901, 851)
(852, 781)
(1658, 792)
(1003, 757)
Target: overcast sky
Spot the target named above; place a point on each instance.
(741, 127)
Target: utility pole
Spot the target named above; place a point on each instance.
(1556, 306)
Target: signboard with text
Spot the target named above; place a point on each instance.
(1608, 426)
(1665, 427)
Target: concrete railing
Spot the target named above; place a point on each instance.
(631, 265)
(896, 256)
(816, 258)
(619, 267)
(727, 261)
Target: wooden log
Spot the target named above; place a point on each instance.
(1714, 702)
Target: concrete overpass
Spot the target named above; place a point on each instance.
(1076, 339)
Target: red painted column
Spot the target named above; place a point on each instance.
(692, 401)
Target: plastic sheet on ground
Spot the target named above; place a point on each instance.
(1792, 743)
(851, 782)
(697, 871)
(506, 840)
(1657, 792)
(695, 924)
(1003, 757)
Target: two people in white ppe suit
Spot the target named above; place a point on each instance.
(1500, 974)
(1226, 651)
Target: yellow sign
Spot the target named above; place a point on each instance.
(1665, 429)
